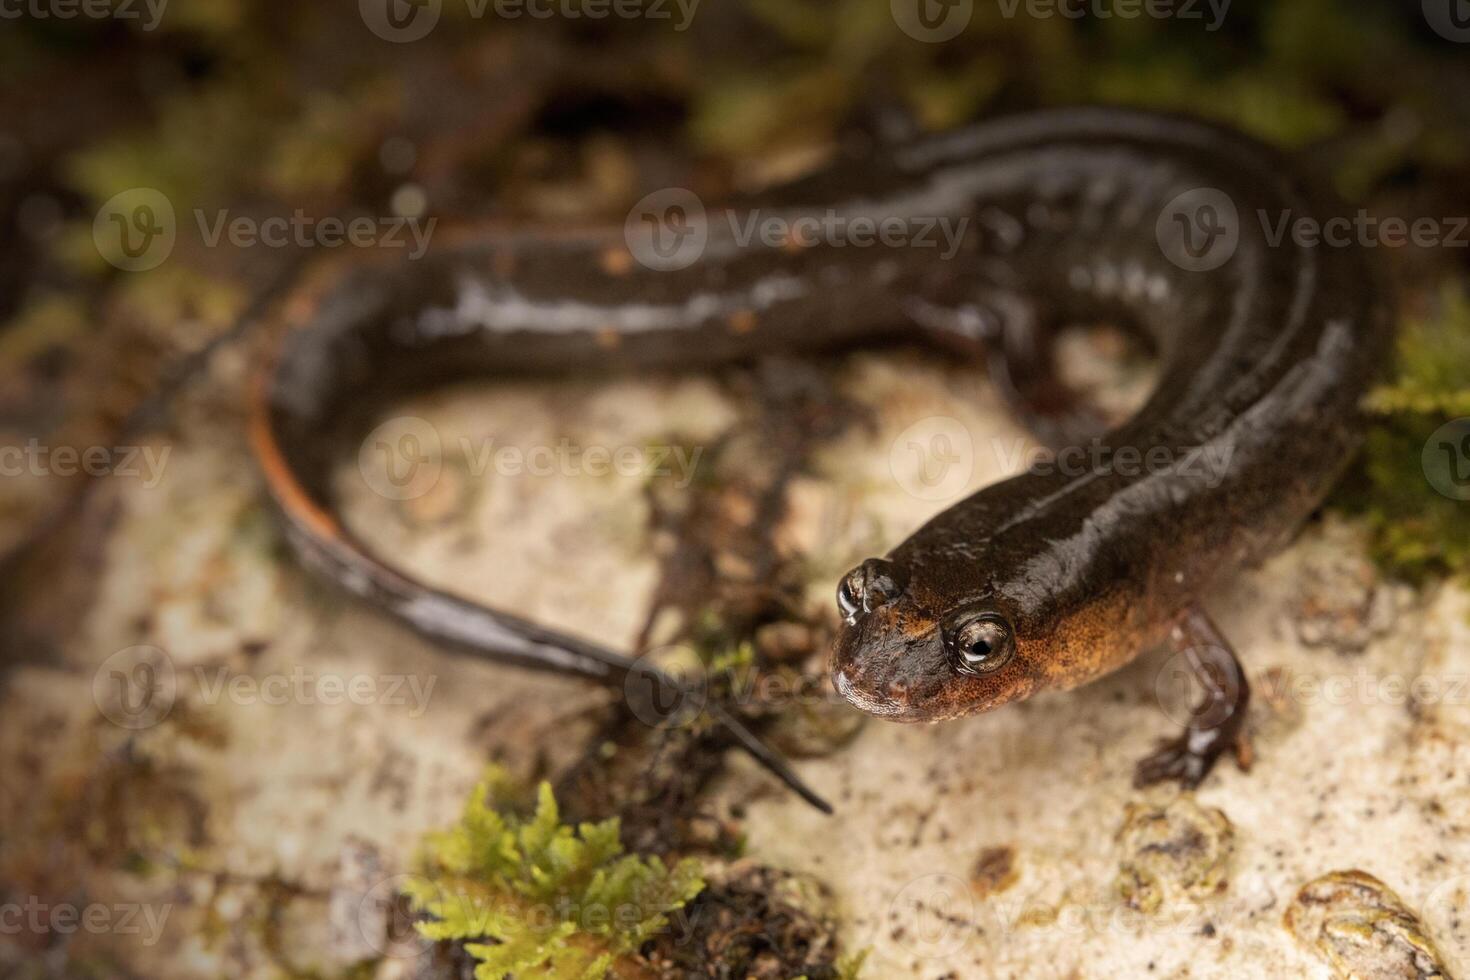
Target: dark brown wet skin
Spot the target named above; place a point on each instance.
(1264, 359)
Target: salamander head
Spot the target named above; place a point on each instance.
(909, 653)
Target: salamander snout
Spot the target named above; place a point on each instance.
(882, 661)
(906, 654)
(874, 583)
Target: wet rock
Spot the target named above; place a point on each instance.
(358, 906)
(813, 721)
(1362, 930)
(1173, 853)
(994, 870)
(1342, 604)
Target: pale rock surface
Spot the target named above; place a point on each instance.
(986, 847)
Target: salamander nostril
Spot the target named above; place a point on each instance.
(876, 582)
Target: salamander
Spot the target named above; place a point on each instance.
(1046, 580)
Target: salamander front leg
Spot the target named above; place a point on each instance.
(1216, 724)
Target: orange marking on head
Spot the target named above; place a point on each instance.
(609, 338)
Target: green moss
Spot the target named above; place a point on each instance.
(552, 901)
(1417, 532)
(1433, 375)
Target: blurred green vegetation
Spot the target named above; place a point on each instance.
(1416, 531)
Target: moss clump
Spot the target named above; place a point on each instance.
(1416, 531)
(538, 898)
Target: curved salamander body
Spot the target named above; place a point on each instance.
(1043, 581)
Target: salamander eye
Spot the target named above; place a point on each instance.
(980, 643)
(876, 582)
